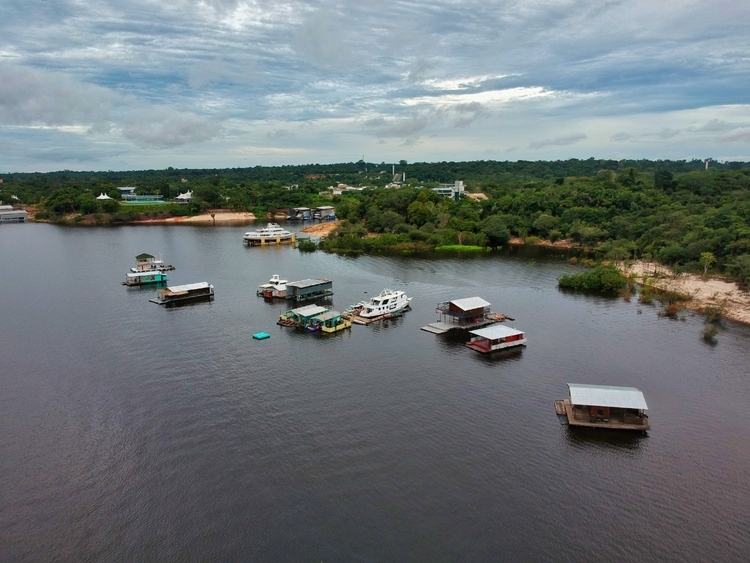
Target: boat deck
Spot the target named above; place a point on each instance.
(441, 327)
(565, 408)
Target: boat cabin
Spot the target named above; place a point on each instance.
(311, 288)
(330, 321)
(604, 406)
(324, 213)
(300, 214)
(301, 317)
(184, 293)
(495, 337)
(143, 278)
(463, 312)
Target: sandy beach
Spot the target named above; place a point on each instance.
(220, 217)
(701, 292)
(321, 230)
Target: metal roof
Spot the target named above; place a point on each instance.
(328, 315)
(143, 256)
(495, 331)
(469, 303)
(187, 287)
(309, 310)
(301, 284)
(606, 396)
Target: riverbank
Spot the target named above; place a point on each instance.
(218, 217)
(700, 293)
(321, 230)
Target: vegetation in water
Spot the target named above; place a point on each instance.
(602, 277)
(307, 245)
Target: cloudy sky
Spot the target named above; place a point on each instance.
(116, 85)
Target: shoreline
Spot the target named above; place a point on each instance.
(220, 217)
(700, 292)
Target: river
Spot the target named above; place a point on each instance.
(132, 432)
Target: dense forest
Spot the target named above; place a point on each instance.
(679, 213)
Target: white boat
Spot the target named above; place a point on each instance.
(276, 287)
(273, 232)
(388, 302)
(148, 263)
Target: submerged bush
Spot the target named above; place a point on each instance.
(604, 278)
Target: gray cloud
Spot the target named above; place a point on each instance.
(285, 63)
(738, 136)
(164, 128)
(31, 97)
(558, 141)
(619, 137)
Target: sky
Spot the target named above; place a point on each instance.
(146, 84)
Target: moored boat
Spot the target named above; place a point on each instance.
(271, 233)
(144, 278)
(149, 263)
(388, 302)
(184, 293)
(495, 337)
(276, 287)
(329, 322)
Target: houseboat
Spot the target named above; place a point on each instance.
(144, 278)
(275, 288)
(148, 263)
(465, 314)
(329, 322)
(312, 288)
(604, 406)
(388, 302)
(301, 317)
(184, 293)
(272, 233)
(496, 337)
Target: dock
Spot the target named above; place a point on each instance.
(356, 319)
(441, 327)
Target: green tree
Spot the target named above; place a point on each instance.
(496, 232)
(706, 260)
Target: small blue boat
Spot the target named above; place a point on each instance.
(261, 335)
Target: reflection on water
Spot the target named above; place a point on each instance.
(133, 434)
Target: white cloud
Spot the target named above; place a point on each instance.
(562, 140)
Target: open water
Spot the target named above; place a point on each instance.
(131, 432)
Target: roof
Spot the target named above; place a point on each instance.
(307, 283)
(606, 396)
(328, 315)
(495, 331)
(143, 256)
(187, 287)
(309, 310)
(469, 303)
(103, 196)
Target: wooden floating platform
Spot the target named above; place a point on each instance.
(577, 417)
(356, 319)
(442, 327)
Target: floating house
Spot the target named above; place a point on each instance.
(329, 322)
(301, 317)
(324, 213)
(496, 337)
(463, 314)
(148, 263)
(10, 215)
(304, 290)
(301, 214)
(604, 406)
(184, 293)
(145, 278)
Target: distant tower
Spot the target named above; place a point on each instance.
(707, 161)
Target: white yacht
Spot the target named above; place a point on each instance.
(389, 301)
(276, 287)
(273, 232)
